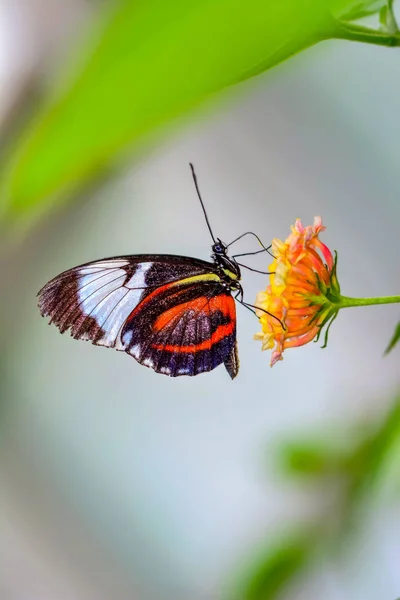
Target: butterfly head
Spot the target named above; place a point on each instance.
(219, 248)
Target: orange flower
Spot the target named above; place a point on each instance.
(302, 293)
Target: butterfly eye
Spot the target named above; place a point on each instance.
(219, 248)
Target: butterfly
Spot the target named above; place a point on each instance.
(174, 314)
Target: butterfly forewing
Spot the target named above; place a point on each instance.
(171, 313)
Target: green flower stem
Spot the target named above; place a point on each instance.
(356, 33)
(330, 304)
(346, 302)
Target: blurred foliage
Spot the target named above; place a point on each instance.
(356, 9)
(147, 63)
(278, 565)
(315, 458)
(352, 463)
(387, 17)
(366, 464)
(395, 339)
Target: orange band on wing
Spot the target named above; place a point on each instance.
(194, 279)
(222, 303)
(149, 297)
(221, 332)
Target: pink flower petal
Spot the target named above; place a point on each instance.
(302, 340)
(327, 254)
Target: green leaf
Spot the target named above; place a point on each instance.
(366, 465)
(312, 458)
(395, 339)
(387, 18)
(150, 62)
(274, 571)
(356, 9)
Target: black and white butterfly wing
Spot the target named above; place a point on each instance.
(171, 313)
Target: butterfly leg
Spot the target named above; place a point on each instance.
(264, 248)
(251, 268)
(239, 298)
(252, 307)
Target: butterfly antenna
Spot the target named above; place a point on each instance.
(201, 201)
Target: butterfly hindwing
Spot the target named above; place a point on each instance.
(171, 313)
(183, 329)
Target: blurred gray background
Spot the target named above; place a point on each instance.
(120, 483)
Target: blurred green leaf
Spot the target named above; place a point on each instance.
(356, 9)
(387, 18)
(152, 61)
(395, 339)
(357, 455)
(311, 459)
(367, 463)
(279, 566)
(357, 458)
